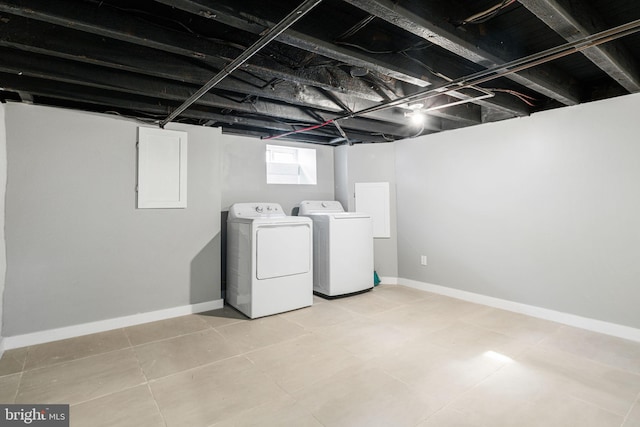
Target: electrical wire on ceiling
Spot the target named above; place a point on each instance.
(278, 57)
(527, 99)
(364, 49)
(357, 27)
(282, 135)
(508, 68)
(264, 40)
(146, 13)
(384, 136)
(488, 14)
(475, 79)
(423, 44)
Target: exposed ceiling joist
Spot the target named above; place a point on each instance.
(246, 54)
(155, 63)
(386, 65)
(545, 80)
(106, 22)
(365, 64)
(138, 102)
(574, 21)
(134, 85)
(395, 66)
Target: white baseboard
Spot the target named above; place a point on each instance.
(34, 338)
(594, 325)
(384, 280)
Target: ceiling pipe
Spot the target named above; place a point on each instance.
(274, 32)
(507, 68)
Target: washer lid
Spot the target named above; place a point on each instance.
(309, 207)
(350, 215)
(319, 210)
(255, 210)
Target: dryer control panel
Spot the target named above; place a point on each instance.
(255, 210)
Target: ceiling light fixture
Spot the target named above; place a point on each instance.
(416, 117)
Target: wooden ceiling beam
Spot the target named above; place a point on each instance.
(544, 79)
(151, 42)
(51, 70)
(392, 65)
(574, 21)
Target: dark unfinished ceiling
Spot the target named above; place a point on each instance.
(348, 71)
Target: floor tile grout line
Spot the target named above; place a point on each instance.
(207, 326)
(75, 360)
(15, 395)
(540, 343)
(124, 331)
(487, 328)
(171, 337)
(469, 389)
(26, 356)
(240, 354)
(542, 347)
(332, 324)
(306, 332)
(19, 370)
(626, 417)
(466, 390)
(155, 401)
(340, 371)
(101, 396)
(244, 354)
(310, 332)
(204, 365)
(130, 346)
(595, 405)
(144, 374)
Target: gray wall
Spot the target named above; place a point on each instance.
(78, 250)
(3, 186)
(370, 163)
(542, 210)
(245, 175)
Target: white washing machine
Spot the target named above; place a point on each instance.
(269, 259)
(342, 248)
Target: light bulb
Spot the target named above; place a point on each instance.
(417, 118)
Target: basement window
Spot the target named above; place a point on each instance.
(291, 165)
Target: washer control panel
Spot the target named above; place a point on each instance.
(308, 207)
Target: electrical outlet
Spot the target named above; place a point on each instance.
(423, 260)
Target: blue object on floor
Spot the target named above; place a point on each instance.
(376, 279)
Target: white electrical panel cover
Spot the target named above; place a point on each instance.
(373, 198)
(162, 168)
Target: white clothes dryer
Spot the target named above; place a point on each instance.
(342, 248)
(269, 260)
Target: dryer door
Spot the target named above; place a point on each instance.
(283, 250)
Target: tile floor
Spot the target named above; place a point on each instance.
(393, 357)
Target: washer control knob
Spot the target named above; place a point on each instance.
(325, 204)
(259, 209)
(269, 208)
